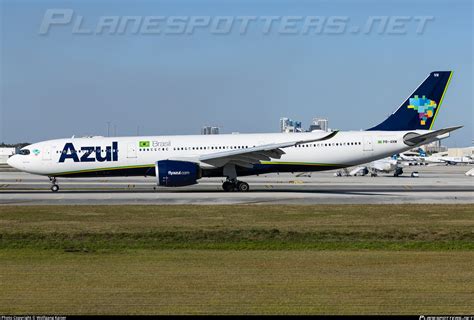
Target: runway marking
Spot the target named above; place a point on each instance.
(296, 182)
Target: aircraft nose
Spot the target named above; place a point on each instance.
(13, 161)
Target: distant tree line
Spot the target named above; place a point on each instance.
(16, 145)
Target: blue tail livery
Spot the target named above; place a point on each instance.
(421, 152)
(419, 111)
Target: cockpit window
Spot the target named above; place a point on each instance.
(24, 152)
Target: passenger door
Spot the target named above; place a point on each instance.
(47, 153)
(132, 150)
(368, 144)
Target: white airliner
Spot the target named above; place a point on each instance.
(437, 158)
(385, 165)
(444, 159)
(183, 160)
(411, 158)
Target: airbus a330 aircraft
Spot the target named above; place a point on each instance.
(183, 160)
(449, 160)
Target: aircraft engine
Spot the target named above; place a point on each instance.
(173, 173)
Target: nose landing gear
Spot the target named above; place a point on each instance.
(54, 187)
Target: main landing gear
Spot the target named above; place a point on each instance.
(235, 185)
(54, 187)
(232, 184)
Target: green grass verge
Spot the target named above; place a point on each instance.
(236, 282)
(244, 227)
(248, 259)
(237, 240)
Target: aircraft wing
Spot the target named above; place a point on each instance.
(250, 156)
(448, 161)
(415, 139)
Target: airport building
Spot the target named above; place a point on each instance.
(289, 125)
(460, 152)
(5, 153)
(434, 147)
(209, 130)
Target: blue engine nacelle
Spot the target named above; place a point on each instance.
(173, 173)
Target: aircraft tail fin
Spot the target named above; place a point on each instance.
(420, 109)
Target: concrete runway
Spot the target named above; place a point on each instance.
(436, 184)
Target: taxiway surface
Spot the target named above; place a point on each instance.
(435, 184)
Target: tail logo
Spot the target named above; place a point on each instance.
(425, 107)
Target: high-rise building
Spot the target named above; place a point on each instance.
(284, 122)
(209, 130)
(289, 125)
(319, 124)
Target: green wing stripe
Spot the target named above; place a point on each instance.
(304, 163)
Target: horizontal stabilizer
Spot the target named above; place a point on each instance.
(412, 139)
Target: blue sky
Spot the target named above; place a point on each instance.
(63, 84)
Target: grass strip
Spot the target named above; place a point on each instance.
(257, 239)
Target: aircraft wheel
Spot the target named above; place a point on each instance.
(228, 186)
(55, 188)
(243, 186)
(398, 172)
